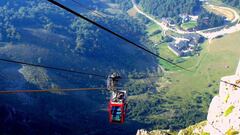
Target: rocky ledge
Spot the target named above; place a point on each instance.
(223, 114)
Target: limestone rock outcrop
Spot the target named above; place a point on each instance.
(224, 111)
(223, 114)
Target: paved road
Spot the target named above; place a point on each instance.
(158, 22)
(209, 35)
(236, 15)
(224, 31)
(164, 27)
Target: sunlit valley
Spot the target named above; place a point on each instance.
(171, 62)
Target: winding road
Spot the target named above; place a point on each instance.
(208, 35)
(158, 22)
(164, 27)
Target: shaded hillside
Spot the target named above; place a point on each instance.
(37, 32)
(45, 28)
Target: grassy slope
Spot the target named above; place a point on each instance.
(189, 25)
(165, 52)
(207, 69)
(210, 66)
(151, 28)
(196, 129)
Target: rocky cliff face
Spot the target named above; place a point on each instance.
(223, 114)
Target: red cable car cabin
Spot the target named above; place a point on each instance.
(117, 107)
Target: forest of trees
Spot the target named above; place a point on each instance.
(40, 15)
(124, 4)
(234, 3)
(173, 9)
(170, 8)
(209, 20)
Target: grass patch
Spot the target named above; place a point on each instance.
(189, 130)
(189, 25)
(229, 110)
(232, 132)
(165, 52)
(156, 38)
(167, 66)
(205, 133)
(226, 98)
(151, 28)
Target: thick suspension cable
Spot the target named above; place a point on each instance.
(102, 77)
(114, 33)
(53, 68)
(50, 90)
(230, 83)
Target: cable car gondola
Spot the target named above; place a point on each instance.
(118, 102)
(117, 106)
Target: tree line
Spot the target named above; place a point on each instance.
(170, 8)
(209, 20)
(175, 8)
(234, 3)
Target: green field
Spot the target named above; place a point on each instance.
(151, 28)
(165, 52)
(208, 68)
(190, 93)
(182, 97)
(189, 25)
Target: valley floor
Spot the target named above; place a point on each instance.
(217, 58)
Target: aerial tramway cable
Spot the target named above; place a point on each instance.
(114, 33)
(73, 71)
(234, 85)
(85, 73)
(121, 37)
(53, 68)
(49, 90)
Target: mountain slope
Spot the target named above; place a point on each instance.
(223, 113)
(40, 33)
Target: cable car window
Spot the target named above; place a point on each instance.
(116, 113)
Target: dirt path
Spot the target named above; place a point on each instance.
(233, 17)
(229, 13)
